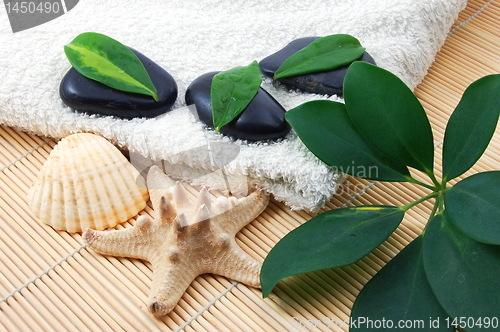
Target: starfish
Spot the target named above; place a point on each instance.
(182, 242)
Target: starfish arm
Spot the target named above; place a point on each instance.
(236, 264)
(124, 243)
(158, 186)
(170, 281)
(249, 208)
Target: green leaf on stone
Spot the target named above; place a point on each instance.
(473, 205)
(471, 126)
(462, 272)
(400, 292)
(326, 130)
(109, 62)
(331, 239)
(231, 92)
(322, 54)
(387, 113)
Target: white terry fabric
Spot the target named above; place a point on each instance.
(189, 38)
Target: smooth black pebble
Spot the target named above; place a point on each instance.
(328, 82)
(89, 96)
(262, 119)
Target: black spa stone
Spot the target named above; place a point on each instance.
(262, 119)
(89, 96)
(328, 82)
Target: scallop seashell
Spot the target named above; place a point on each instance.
(86, 182)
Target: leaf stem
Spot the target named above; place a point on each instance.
(434, 209)
(440, 201)
(415, 181)
(438, 205)
(434, 180)
(433, 213)
(423, 199)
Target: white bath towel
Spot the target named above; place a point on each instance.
(189, 38)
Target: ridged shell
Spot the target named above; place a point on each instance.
(86, 182)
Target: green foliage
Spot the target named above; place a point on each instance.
(109, 62)
(400, 290)
(350, 147)
(322, 54)
(476, 198)
(462, 272)
(471, 126)
(389, 116)
(231, 92)
(451, 270)
(341, 237)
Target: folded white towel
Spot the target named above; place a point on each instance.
(189, 38)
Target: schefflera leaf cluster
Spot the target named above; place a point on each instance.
(449, 271)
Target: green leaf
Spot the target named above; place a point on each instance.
(334, 238)
(231, 92)
(462, 272)
(400, 292)
(471, 126)
(473, 205)
(326, 130)
(109, 62)
(389, 116)
(322, 54)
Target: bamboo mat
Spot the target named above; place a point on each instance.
(50, 282)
